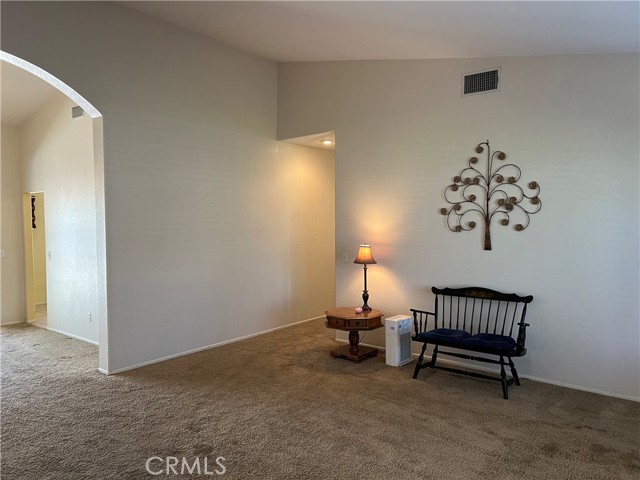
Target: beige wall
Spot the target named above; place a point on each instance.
(57, 158)
(571, 122)
(307, 214)
(12, 293)
(204, 209)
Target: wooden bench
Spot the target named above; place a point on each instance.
(474, 319)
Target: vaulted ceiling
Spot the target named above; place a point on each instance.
(360, 30)
(330, 30)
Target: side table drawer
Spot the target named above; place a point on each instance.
(357, 323)
(333, 322)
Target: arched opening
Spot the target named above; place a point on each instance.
(75, 210)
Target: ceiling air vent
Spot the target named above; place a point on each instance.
(76, 112)
(481, 82)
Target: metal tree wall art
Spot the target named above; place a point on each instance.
(494, 193)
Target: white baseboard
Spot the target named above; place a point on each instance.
(484, 369)
(377, 347)
(207, 347)
(12, 323)
(530, 377)
(446, 361)
(584, 389)
(66, 334)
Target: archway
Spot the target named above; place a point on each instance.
(100, 314)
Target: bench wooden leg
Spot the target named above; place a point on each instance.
(514, 374)
(503, 375)
(420, 359)
(434, 357)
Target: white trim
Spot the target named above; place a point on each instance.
(12, 323)
(61, 332)
(363, 344)
(200, 349)
(584, 389)
(53, 81)
(536, 379)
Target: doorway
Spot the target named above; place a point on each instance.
(35, 257)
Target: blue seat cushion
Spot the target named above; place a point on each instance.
(491, 341)
(447, 335)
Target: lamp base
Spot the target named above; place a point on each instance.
(365, 299)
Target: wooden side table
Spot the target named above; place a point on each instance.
(346, 318)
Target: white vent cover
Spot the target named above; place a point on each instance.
(481, 82)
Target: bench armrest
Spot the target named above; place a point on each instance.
(420, 318)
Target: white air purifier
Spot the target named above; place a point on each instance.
(397, 334)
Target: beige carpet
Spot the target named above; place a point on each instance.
(279, 407)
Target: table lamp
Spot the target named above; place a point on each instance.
(365, 258)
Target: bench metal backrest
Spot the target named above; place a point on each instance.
(479, 310)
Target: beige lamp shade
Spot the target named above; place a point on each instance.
(364, 255)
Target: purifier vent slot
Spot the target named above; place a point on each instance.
(405, 347)
(481, 82)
